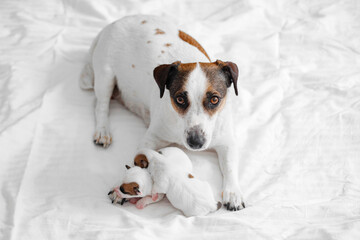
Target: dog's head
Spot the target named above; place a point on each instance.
(197, 93)
(137, 182)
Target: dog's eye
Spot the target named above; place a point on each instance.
(180, 100)
(214, 100)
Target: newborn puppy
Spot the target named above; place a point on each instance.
(170, 170)
(136, 188)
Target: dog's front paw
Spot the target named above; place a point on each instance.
(232, 200)
(102, 137)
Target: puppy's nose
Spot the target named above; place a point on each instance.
(195, 138)
(122, 189)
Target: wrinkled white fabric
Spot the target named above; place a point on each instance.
(298, 121)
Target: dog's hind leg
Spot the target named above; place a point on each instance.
(104, 85)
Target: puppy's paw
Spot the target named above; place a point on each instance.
(232, 200)
(102, 137)
(155, 196)
(116, 197)
(134, 200)
(140, 204)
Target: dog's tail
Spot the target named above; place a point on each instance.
(87, 75)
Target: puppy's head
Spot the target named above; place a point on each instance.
(137, 182)
(197, 93)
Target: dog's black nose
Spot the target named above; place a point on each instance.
(195, 138)
(122, 189)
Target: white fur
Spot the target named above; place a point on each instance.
(170, 174)
(122, 54)
(140, 176)
(196, 116)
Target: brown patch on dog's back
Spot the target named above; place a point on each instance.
(141, 161)
(190, 40)
(130, 188)
(190, 176)
(159, 31)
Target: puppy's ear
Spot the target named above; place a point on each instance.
(141, 161)
(127, 166)
(231, 72)
(163, 75)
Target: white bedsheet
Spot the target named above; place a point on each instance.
(298, 116)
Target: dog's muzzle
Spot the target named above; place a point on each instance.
(195, 138)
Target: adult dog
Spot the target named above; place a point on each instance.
(195, 111)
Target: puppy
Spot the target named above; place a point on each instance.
(167, 78)
(136, 188)
(168, 172)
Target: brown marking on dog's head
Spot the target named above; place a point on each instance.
(231, 72)
(141, 161)
(167, 44)
(159, 31)
(143, 22)
(190, 40)
(190, 176)
(220, 75)
(174, 77)
(133, 66)
(130, 188)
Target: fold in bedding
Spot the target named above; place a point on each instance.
(297, 114)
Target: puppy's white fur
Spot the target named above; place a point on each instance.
(125, 53)
(170, 174)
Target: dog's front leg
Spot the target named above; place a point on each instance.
(103, 90)
(228, 160)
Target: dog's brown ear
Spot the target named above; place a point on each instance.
(163, 75)
(127, 166)
(231, 72)
(141, 161)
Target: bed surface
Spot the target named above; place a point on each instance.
(298, 118)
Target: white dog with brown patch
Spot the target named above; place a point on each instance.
(169, 172)
(196, 111)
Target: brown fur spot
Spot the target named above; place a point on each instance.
(133, 66)
(162, 51)
(190, 40)
(159, 31)
(143, 22)
(190, 176)
(217, 86)
(130, 188)
(167, 44)
(141, 161)
(148, 42)
(177, 85)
